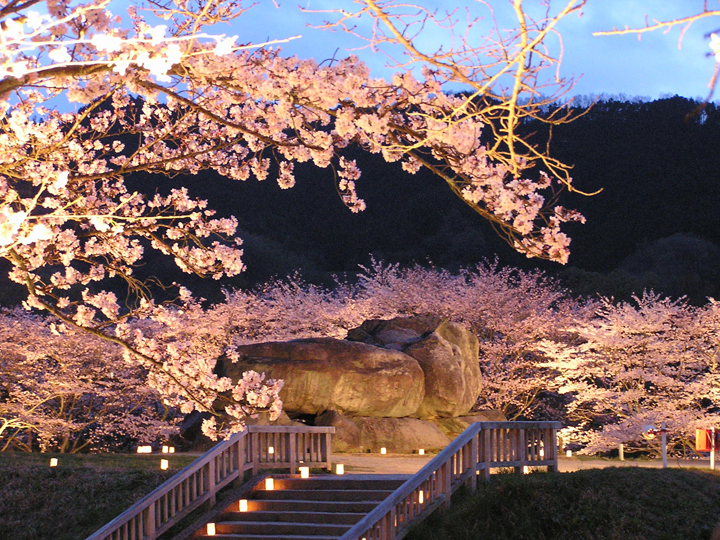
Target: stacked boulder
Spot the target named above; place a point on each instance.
(404, 384)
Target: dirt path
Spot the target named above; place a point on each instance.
(411, 463)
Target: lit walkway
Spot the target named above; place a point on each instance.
(411, 463)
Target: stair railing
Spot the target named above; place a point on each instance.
(256, 448)
(481, 447)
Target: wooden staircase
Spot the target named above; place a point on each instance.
(348, 507)
(315, 508)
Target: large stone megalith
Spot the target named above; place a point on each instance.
(323, 374)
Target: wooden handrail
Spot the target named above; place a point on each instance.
(482, 446)
(227, 461)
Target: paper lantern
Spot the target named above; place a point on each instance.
(421, 452)
(383, 450)
(271, 449)
(53, 462)
(568, 453)
(421, 497)
(172, 449)
(144, 449)
(304, 472)
(339, 468)
(243, 505)
(165, 450)
(269, 484)
(211, 529)
(164, 464)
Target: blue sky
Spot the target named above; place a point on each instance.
(651, 67)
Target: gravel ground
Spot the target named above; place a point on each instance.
(411, 463)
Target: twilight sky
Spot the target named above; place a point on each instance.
(651, 67)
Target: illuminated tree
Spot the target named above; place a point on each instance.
(639, 364)
(73, 391)
(170, 98)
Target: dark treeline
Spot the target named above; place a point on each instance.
(654, 225)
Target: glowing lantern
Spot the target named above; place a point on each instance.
(568, 453)
(304, 472)
(144, 449)
(703, 440)
(339, 468)
(421, 497)
(53, 462)
(269, 484)
(421, 452)
(165, 450)
(211, 529)
(243, 505)
(383, 450)
(172, 449)
(164, 464)
(271, 449)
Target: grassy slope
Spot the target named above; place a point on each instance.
(84, 492)
(615, 503)
(73, 500)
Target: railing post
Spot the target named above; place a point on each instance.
(393, 523)
(255, 452)
(328, 450)
(473, 463)
(293, 452)
(521, 450)
(446, 483)
(149, 524)
(552, 449)
(487, 451)
(240, 459)
(211, 481)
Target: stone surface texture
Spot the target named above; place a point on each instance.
(324, 374)
(452, 427)
(447, 353)
(401, 435)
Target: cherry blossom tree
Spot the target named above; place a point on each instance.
(638, 364)
(71, 392)
(171, 98)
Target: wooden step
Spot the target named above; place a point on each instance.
(323, 494)
(287, 528)
(340, 482)
(266, 537)
(290, 505)
(316, 516)
(315, 508)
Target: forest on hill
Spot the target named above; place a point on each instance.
(654, 225)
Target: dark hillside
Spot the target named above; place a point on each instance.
(655, 224)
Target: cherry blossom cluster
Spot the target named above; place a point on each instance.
(638, 364)
(72, 392)
(180, 347)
